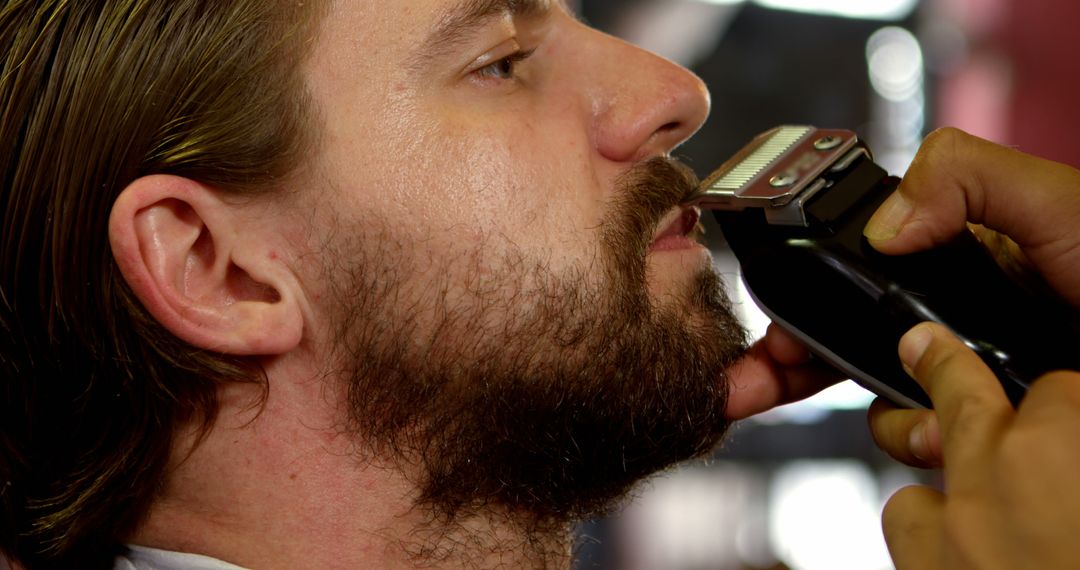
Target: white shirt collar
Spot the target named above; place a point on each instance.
(144, 558)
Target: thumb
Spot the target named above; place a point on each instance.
(957, 178)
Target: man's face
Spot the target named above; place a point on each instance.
(504, 273)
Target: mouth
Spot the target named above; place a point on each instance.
(677, 230)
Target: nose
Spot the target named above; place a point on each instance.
(643, 104)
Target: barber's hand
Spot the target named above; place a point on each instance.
(777, 370)
(958, 179)
(1011, 499)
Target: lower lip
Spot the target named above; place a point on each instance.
(674, 243)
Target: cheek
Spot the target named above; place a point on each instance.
(478, 183)
(458, 179)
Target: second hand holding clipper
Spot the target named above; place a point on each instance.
(792, 205)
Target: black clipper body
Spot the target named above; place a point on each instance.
(793, 204)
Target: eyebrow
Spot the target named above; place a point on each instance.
(462, 19)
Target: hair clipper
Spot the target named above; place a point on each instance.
(792, 205)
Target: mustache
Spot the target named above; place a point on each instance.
(645, 193)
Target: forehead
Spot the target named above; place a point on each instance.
(380, 24)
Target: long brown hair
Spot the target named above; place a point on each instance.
(94, 94)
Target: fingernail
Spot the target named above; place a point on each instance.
(913, 344)
(889, 219)
(919, 441)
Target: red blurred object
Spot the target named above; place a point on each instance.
(1040, 40)
(1020, 83)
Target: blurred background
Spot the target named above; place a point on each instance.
(802, 487)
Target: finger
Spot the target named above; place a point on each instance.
(909, 436)
(758, 382)
(957, 178)
(784, 348)
(971, 406)
(913, 524)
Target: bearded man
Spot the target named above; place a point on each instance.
(346, 284)
(386, 284)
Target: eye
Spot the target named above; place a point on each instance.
(504, 68)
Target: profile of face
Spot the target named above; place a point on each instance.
(498, 259)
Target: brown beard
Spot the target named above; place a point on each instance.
(544, 395)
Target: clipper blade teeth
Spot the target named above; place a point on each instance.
(750, 162)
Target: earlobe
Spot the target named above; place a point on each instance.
(184, 252)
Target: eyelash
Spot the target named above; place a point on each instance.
(504, 68)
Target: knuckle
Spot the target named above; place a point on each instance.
(946, 134)
(943, 142)
(940, 359)
(972, 406)
(939, 153)
(975, 421)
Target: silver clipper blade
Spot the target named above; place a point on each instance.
(779, 171)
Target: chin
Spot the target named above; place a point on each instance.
(675, 273)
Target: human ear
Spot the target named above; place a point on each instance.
(198, 266)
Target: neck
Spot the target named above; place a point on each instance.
(487, 541)
(284, 486)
